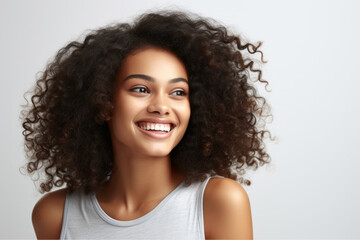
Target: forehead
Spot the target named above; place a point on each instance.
(155, 62)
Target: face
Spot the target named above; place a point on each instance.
(151, 103)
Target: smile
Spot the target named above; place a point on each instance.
(155, 126)
(156, 130)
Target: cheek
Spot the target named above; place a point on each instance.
(127, 105)
(185, 112)
(123, 111)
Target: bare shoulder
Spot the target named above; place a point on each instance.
(227, 212)
(47, 215)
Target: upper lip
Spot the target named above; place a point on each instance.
(158, 120)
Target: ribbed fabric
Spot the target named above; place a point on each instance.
(178, 216)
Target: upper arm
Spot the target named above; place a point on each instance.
(227, 212)
(47, 215)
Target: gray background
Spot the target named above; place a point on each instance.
(311, 190)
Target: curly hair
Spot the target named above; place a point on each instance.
(66, 133)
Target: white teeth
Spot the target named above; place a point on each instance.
(155, 126)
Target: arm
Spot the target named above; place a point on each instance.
(47, 215)
(227, 212)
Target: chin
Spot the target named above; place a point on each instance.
(160, 152)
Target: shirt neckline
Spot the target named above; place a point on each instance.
(136, 221)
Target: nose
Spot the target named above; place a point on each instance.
(159, 104)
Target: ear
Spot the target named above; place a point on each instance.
(108, 113)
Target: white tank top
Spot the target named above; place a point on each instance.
(178, 216)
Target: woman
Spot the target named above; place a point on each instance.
(150, 126)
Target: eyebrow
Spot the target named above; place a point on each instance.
(151, 79)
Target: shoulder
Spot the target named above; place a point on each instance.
(47, 214)
(227, 212)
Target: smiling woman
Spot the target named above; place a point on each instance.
(138, 115)
(150, 127)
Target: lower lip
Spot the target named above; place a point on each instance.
(153, 134)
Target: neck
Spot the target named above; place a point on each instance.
(139, 180)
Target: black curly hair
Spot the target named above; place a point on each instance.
(65, 128)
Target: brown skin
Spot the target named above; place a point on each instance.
(142, 175)
(47, 215)
(227, 212)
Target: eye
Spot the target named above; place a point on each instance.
(139, 90)
(179, 93)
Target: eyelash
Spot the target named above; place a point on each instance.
(133, 89)
(183, 93)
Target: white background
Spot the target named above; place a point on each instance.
(311, 190)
